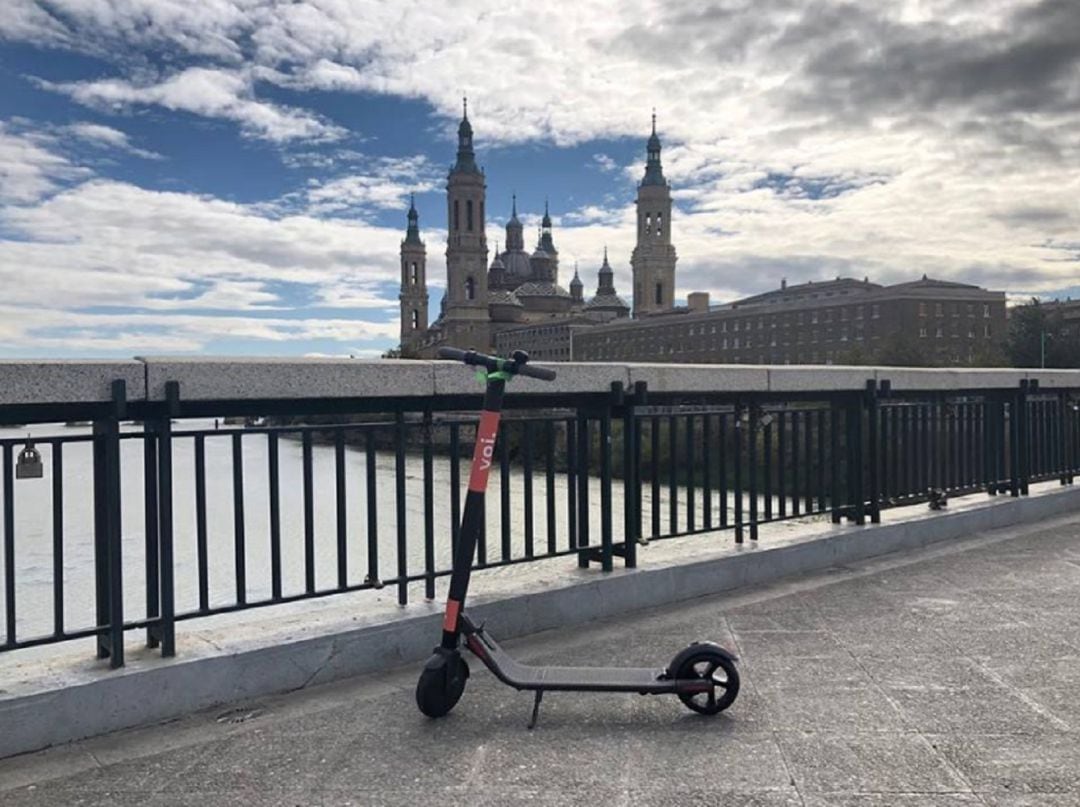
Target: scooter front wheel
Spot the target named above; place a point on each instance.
(441, 683)
(715, 667)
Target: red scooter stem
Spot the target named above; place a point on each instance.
(472, 520)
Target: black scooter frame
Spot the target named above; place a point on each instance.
(443, 678)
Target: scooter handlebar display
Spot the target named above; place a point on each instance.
(516, 365)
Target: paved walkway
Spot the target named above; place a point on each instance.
(946, 678)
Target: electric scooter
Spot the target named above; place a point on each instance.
(703, 675)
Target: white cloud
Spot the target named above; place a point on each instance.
(385, 185)
(30, 168)
(212, 93)
(106, 136)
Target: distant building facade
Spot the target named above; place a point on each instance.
(812, 323)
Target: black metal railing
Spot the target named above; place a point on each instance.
(141, 526)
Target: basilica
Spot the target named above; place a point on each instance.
(517, 301)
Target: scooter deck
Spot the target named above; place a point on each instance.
(646, 680)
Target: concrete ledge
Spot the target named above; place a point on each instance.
(60, 382)
(203, 379)
(92, 701)
(249, 379)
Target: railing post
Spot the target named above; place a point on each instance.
(632, 473)
(874, 436)
(834, 461)
(584, 454)
(606, 549)
(1061, 439)
(152, 519)
(107, 529)
(165, 631)
(1024, 442)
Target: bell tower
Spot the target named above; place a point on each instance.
(413, 298)
(467, 323)
(653, 259)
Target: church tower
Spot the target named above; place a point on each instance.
(653, 259)
(467, 319)
(414, 296)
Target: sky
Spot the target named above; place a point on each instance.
(232, 176)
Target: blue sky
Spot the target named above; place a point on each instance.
(232, 177)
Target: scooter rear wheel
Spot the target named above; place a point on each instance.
(441, 684)
(716, 668)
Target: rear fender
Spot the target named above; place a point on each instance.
(693, 649)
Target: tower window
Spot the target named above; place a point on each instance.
(415, 319)
(414, 273)
(659, 293)
(648, 223)
(468, 215)
(659, 224)
(470, 289)
(457, 216)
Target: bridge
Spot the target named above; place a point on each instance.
(220, 488)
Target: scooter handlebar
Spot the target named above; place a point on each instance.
(517, 365)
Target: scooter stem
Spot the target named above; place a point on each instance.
(472, 520)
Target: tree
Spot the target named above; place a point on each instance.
(1037, 337)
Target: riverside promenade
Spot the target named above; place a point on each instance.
(945, 676)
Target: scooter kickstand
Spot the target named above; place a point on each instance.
(536, 709)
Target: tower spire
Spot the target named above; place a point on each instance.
(654, 172)
(466, 158)
(412, 233)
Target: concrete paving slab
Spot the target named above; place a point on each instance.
(1018, 763)
(888, 762)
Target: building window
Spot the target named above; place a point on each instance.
(971, 309)
(415, 319)
(760, 324)
(735, 343)
(659, 293)
(724, 343)
(799, 318)
(986, 331)
(843, 314)
(971, 332)
(735, 326)
(468, 215)
(939, 310)
(813, 317)
(986, 311)
(939, 333)
(648, 223)
(875, 311)
(859, 312)
(457, 216)
(659, 224)
(470, 288)
(922, 309)
(955, 308)
(414, 273)
(723, 327)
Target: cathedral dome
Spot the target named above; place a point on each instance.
(540, 289)
(503, 297)
(516, 264)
